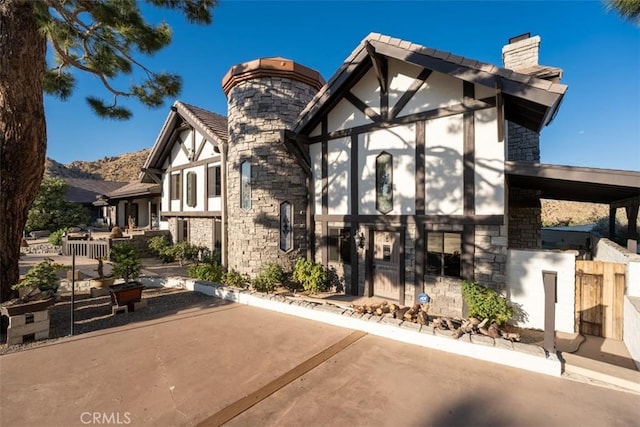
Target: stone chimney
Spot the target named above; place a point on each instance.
(522, 52)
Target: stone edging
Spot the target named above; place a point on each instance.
(517, 355)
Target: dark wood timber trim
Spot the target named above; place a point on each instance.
(203, 142)
(413, 89)
(632, 221)
(195, 214)
(401, 273)
(311, 224)
(297, 153)
(384, 92)
(420, 168)
(387, 220)
(154, 174)
(437, 113)
(378, 67)
(206, 188)
(500, 110)
(183, 185)
(418, 280)
(612, 221)
(469, 163)
(325, 191)
(354, 225)
(468, 251)
(360, 105)
(194, 164)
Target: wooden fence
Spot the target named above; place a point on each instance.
(86, 248)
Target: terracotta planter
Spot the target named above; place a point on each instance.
(126, 294)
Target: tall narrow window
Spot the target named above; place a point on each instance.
(384, 183)
(245, 185)
(443, 254)
(213, 181)
(175, 186)
(191, 189)
(286, 226)
(340, 245)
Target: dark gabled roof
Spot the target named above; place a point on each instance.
(529, 101)
(212, 125)
(86, 190)
(578, 184)
(135, 189)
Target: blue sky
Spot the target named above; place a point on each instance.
(598, 124)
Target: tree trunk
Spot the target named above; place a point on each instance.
(23, 139)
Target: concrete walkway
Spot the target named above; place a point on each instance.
(187, 368)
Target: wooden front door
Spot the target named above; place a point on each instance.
(599, 298)
(386, 264)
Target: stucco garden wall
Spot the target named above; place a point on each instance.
(526, 289)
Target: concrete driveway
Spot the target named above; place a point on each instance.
(203, 365)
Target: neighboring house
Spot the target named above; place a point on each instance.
(87, 191)
(134, 204)
(410, 170)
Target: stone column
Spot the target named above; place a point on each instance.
(265, 97)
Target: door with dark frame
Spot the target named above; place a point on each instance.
(386, 264)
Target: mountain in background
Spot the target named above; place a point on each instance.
(127, 166)
(124, 167)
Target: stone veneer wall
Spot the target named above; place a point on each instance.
(491, 256)
(201, 232)
(523, 144)
(258, 109)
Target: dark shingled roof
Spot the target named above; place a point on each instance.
(212, 125)
(135, 189)
(86, 190)
(521, 91)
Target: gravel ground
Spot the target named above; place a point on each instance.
(92, 314)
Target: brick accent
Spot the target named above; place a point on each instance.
(523, 144)
(258, 110)
(525, 220)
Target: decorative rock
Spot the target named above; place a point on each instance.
(502, 343)
(482, 339)
(391, 321)
(411, 325)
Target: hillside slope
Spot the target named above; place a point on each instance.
(125, 167)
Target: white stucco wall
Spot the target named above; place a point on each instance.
(315, 152)
(439, 91)
(398, 141)
(606, 250)
(338, 181)
(482, 91)
(344, 116)
(178, 156)
(401, 77)
(368, 90)
(489, 167)
(443, 166)
(526, 289)
(632, 327)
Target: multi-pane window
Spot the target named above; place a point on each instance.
(191, 189)
(443, 253)
(245, 185)
(175, 186)
(213, 181)
(340, 245)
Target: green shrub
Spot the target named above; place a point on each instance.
(484, 302)
(209, 271)
(235, 279)
(310, 275)
(55, 238)
(270, 277)
(185, 252)
(160, 245)
(126, 262)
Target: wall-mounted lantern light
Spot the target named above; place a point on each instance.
(359, 237)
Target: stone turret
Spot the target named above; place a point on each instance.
(266, 207)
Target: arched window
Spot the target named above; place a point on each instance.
(384, 182)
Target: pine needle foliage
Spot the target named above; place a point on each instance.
(105, 38)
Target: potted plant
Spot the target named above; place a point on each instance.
(127, 266)
(37, 289)
(102, 281)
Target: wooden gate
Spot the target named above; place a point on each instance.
(599, 298)
(386, 264)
